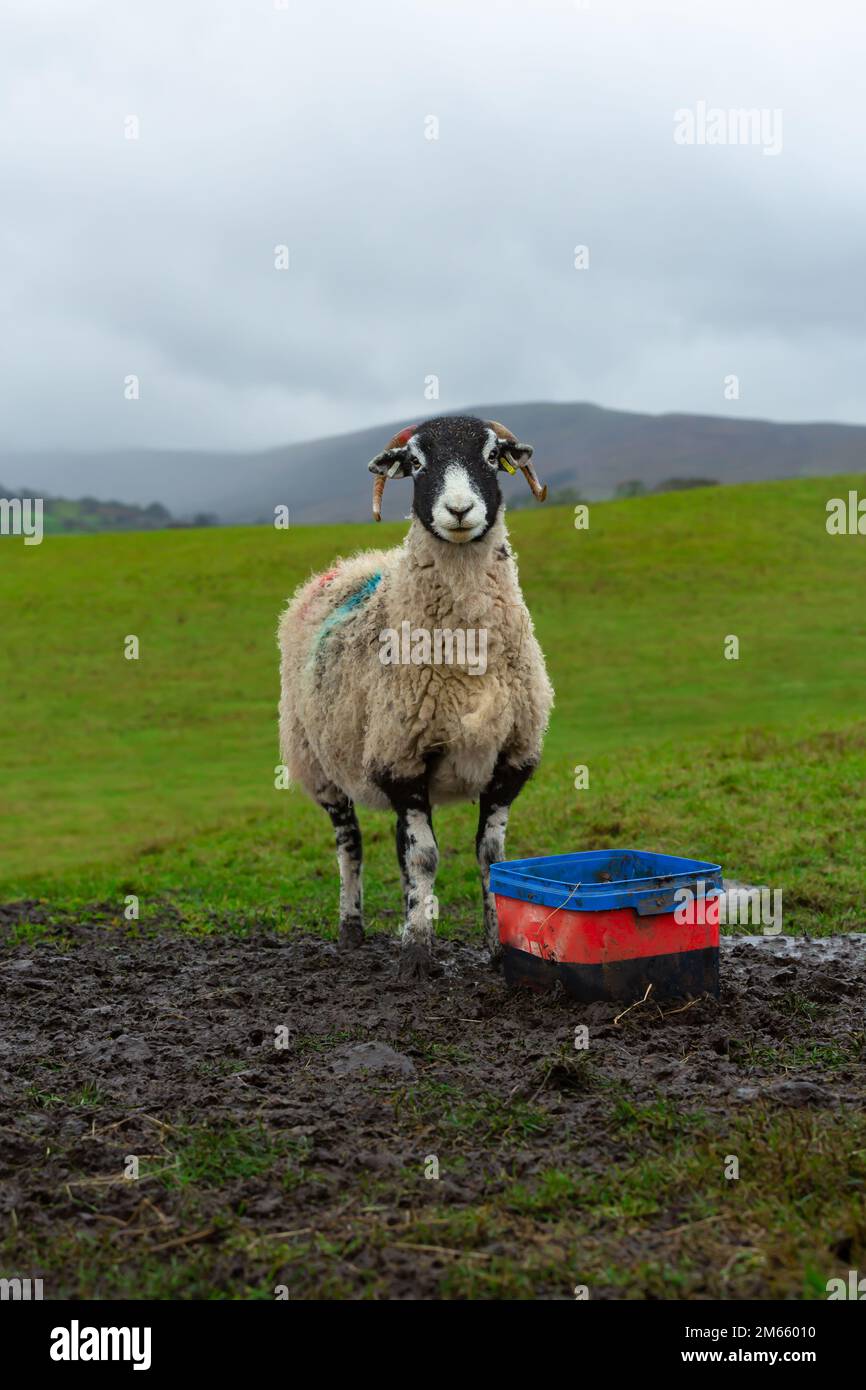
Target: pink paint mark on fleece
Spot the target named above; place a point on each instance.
(320, 583)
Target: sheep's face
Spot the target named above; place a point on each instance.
(454, 464)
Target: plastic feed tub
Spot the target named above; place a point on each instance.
(609, 923)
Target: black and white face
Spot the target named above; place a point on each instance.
(454, 464)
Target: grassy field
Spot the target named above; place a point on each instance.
(156, 777)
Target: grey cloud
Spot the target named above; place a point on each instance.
(412, 257)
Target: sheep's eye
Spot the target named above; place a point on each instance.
(417, 466)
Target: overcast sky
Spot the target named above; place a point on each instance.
(306, 126)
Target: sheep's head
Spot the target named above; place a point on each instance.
(454, 463)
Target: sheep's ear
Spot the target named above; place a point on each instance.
(395, 460)
(392, 463)
(509, 453)
(511, 456)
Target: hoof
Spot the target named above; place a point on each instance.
(351, 934)
(416, 963)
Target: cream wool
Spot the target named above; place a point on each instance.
(408, 736)
(344, 713)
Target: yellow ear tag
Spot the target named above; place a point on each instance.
(507, 464)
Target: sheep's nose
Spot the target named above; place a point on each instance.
(459, 512)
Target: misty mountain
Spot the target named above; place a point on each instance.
(577, 445)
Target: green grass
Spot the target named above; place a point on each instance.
(439, 1104)
(821, 1056)
(205, 1158)
(668, 1221)
(156, 776)
(700, 1233)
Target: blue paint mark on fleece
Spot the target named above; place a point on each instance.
(345, 609)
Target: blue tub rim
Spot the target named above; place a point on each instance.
(522, 879)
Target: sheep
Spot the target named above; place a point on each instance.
(369, 716)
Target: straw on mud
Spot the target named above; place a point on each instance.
(163, 1124)
(683, 1007)
(678, 1230)
(144, 1230)
(118, 1179)
(634, 1005)
(127, 1119)
(182, 1240)
(442, 1250)
(450, 1018)
(146, 1202)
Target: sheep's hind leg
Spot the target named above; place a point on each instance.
(350, 859)
(418, 856)
(495, 801)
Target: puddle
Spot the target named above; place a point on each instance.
(818, 949)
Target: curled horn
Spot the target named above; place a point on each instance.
(536, 488)
(400, 439)
(378, 489)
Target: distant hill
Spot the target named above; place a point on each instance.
(579, 447)
(65, 515)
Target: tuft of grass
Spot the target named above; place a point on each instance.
(88, 1098)
(488, 1117)
(824, 1056)
(207, 1158)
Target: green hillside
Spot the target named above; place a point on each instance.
(70, 516)
(156, 776)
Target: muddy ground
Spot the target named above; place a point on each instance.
(303, 1156)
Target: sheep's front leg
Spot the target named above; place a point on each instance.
(418, 853)
(350, 859)
(418, 857)
(506, 783)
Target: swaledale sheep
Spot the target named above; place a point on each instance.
(376, 710)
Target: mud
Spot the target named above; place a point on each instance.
(813, 949)
(113, 1045)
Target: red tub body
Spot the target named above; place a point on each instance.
(612, 953)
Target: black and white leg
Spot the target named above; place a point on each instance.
(350, 858)
(418, 857)
(495, 804)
